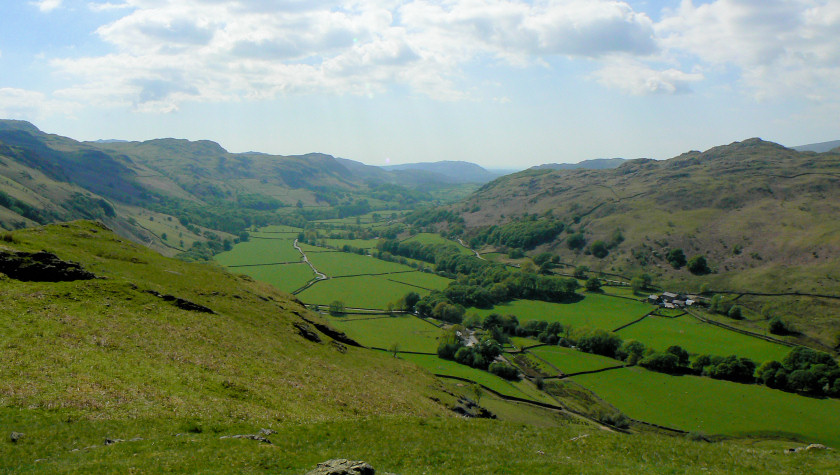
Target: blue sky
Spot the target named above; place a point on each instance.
(506, 84)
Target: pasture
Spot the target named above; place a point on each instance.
(338, 264)
(701, 338)
(260, 251)
(423, 280)
(408, 332)
(594, 311)
(571, 361)
(522, 389)
(697, 404)
(360, 292)
(286, 277)
(432, 238)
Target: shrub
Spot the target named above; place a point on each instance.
(600, 342)
(599, 249)
(576, 241)
(697, 265)
(676, 258)
(593, 284)
(661, 362)
(735, 313)
(777, 326)
(504, 370)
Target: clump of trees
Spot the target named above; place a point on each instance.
(524, 234)
(803, 370)
(698, 265)
(676, 257)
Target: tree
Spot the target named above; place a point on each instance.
(735, 313)
(543, 258)
(504, 370)
(580, 271)
(599, 249)
(411, 300)
(676, 257)
(661, 362)
(576, 241)
(600, 342)
(593, 284)
(477, 392)
(394, 349)
(336, 307)
(697, 265)
(680, 353)
(641, 282)
(631, 351)
(777, 326)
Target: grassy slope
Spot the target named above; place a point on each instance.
(706, 405)
(594, 311)
(780, 208)
(117, 352)
(94, 359)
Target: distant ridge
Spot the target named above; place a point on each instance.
(594, 164)
(456, 171)
(110, 141)
(820, 147)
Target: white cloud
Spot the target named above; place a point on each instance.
(634, 77)
(780, 47)
(167, 51)
(47, 5)
(24, 104)
(103, 7)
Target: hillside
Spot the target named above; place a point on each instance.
(594, 164)
(820, 147)
(133, 362)
(451, 171)
(174, 194)
(766, 218)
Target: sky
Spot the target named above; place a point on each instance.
(502, 83)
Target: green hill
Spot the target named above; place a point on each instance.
(766, 218)
(132, 362)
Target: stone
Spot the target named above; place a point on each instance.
(41, 266)
(342, 467)
(305, 330)
(16, 436)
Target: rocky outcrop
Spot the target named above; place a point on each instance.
(181, 303)
(342, 467)
(305, 330)
(40, 266)
(468, 408)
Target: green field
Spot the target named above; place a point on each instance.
(571, 361)
(361, 292)
(410, 333)
(260, 251)
(286, 277)
(278, 228)
(701, 338)
(423, 280)
(338, 264)
(594, 311)
(359, 243)
(521, 389)
(431, 238)
(711, 406)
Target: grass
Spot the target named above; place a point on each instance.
(424, 280)
(701, 338)
(360, 292)
(260, 251)
(286, 277)
(338, 264)
(390, 444)
(710, 406)
(408, 332)
(573, 361)
(594, 311)
(432, 238)
(520, 389)
(359, 243)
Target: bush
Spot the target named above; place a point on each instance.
(697, 265)
(676, 258)
(631, 351)
(661, 363)
(735, 313)
(576, 241)
(777, 326)
(593, 284)
(599, 249)
(505, 371)
(337, 307)
(600, 342)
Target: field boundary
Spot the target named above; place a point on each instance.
(742, 331)
(609, 368)
(267, 264)
(776, 294)
(622, 327)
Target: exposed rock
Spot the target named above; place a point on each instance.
(113, 441)
(809, 448)
(468, 408)
(256, 437)
(342, 467)
(181, 303)
(16, 436)
(339, 346)
(41, 266)
(306, 331)
(329, 331)
(267, 432)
